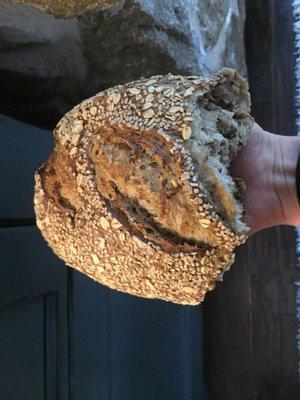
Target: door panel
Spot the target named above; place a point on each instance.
(66, 337)
(139, 349)
(33, 318)
(28, 349)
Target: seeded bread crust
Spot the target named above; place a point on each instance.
(121, 198)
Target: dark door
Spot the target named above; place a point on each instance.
(64, 336)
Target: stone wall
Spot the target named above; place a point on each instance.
(48, 64)
(67, 8)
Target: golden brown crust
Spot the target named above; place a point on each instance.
(121, 201)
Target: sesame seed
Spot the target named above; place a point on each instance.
(189, 92)
(151, 89)
(186, 132)
(211, 285)
(205, 222)
(148, 113)
(116, 98)
(158, 89)
(173, 110)
(115, 223)
(93, 110)
(73, 151)
(188, 119)
(188, 289)
(150, 284)
(110, 107)
(134, 91)
(150, 82)
(198, 81)
(146, 106)
(104, 223)
(75, 138)
(185, 176)
(102, 243)
(95, 258)
(169, 92)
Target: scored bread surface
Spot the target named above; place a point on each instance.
(136, 193)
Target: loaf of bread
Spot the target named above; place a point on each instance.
(137, 193)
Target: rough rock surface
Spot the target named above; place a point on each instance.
(47, 65)
(66, 9)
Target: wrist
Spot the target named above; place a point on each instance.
(287, 150)
(267, 164)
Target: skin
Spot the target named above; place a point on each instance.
(267, 163)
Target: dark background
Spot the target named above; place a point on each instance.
(250, 323)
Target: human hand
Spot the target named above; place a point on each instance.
(267, 164)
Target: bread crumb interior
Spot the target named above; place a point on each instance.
(220, 128)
